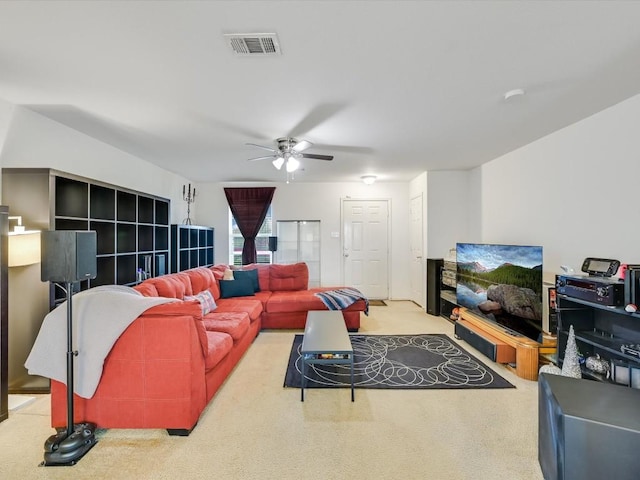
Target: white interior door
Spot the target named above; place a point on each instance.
(417, 273)
(365, 234)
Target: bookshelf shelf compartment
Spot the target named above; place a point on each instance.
(191, 247)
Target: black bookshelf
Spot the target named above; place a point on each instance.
(191, 247)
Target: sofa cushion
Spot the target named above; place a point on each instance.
(218, 271)
(263, 274)
(206, 300)
(147, 289)
(264, 298)
(249, 305)
(305, 300)
(235, 324)
(201, 279)
(220, 344)
(251, 275)
(288, 277)
(175, 285)
(236, 288)
(294, 301)
(185, 280)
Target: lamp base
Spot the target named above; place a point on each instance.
(63, 449)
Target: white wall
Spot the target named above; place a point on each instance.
(447, 212)
(319, 201)
(575, 192)
(35, 141)
(6, 114)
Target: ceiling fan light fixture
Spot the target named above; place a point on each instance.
(368, 179)
(292, 164)
(278, 162)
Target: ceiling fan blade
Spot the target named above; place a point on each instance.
(316, 157)
(301, 145)
(262, 146)
(345, 148)
(315, 117)
(270, 157)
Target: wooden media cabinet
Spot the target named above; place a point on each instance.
(500, 344)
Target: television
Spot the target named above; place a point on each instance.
(502, 283)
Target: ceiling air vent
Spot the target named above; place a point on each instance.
(253, 44)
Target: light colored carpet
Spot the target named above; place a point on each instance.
(256, 429)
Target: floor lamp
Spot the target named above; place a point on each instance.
(69, 257)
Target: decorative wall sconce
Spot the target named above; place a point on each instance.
(24, 245)
(189, 197)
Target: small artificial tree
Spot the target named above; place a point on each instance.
(571, 363)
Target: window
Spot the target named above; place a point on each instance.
(236, 241)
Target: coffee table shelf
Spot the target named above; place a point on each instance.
(325, 341)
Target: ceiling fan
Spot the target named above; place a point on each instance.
(288, 153)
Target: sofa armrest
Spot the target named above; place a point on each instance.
(154, 377)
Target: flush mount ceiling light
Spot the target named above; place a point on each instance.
(511, 94)
(368, 179)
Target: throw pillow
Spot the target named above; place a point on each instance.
(251, 275)
(242, 287)
(206, 300)
(228, 274)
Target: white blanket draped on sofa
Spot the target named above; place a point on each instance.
(100, 315)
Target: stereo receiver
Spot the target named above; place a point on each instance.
(603, 290)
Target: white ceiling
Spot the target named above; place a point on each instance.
(391, 88)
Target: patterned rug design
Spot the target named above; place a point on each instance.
(398, 361)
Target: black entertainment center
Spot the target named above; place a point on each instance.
(589, 427)
(609, 332)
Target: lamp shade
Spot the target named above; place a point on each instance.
(292, 164)
(278, 162)
(24, 248)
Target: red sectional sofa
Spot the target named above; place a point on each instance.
(169, 363)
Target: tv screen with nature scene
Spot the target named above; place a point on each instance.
(503, 283)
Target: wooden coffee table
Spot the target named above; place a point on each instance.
(327, 341)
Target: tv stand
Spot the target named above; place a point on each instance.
(500, 344)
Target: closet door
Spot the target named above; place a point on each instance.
(299, 241)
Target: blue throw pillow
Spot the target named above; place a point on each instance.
(236, 288)
(251, 275)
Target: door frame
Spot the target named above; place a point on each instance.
(423, 262)
(343, 201)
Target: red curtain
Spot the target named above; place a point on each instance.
(249, 206)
